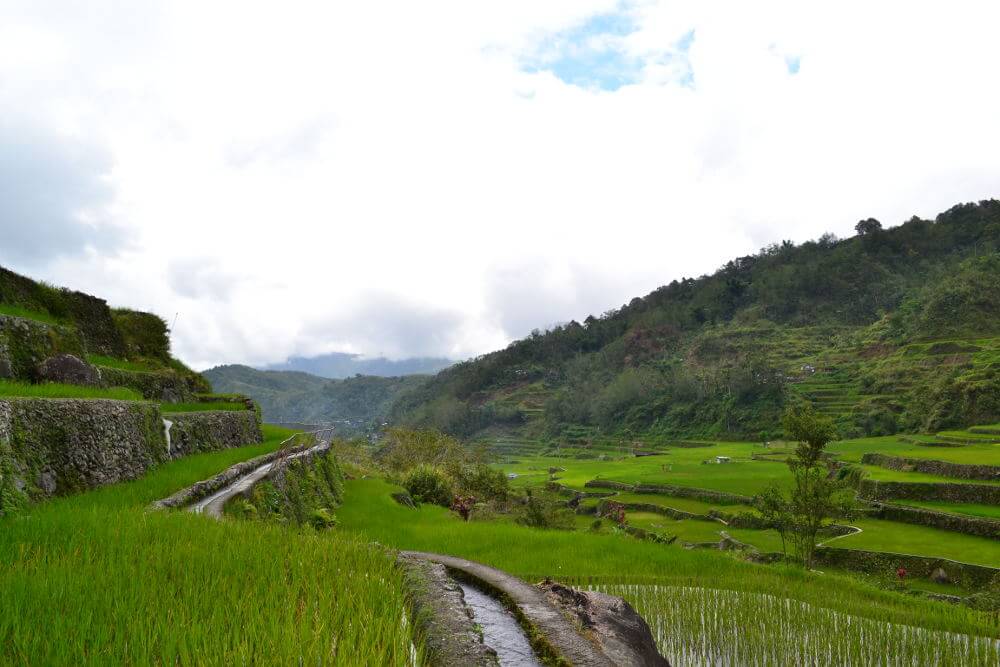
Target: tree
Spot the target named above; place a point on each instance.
(810, 430)
(868, 227)
(817, 497)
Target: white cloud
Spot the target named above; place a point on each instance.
(310, 176)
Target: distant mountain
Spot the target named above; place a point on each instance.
(294, 396)
(337, 365)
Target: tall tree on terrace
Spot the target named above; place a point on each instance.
(816, 497)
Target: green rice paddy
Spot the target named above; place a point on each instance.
(97, 579)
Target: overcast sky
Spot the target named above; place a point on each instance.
(438, 178)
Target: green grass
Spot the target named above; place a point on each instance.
(978, 453)
(968, 509)
(683, 504)
(584, 557)
(879, 535)
(888, 475)
(17, 311)
(121, 364)
(678, 467)
(12, 389)
(202, 407)
(96, 579)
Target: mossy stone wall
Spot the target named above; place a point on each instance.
(931, 467)
(919, 567)
(923, 517)
(26, 343)
(60, 446)
(206, 431)
(989, 494)
(165, 385)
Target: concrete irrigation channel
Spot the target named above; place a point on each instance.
(211, 495)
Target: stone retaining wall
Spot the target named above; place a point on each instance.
(54, 447)
(59, 446)
(966, 575)
(932, 467)
(677, 491)
(167, 385)
(206, 431)
(962, 524)
(871, 489)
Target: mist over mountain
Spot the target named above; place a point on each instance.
(339, 365)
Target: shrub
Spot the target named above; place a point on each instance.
(427, 484)
(482, 481)
(540, 513)
(321, 519)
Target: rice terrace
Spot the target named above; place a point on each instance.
(597, 333)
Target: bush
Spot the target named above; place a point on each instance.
(321, 519)
(427, 484)
(483, 482)
(540, 513)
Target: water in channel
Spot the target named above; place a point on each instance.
(501, 631)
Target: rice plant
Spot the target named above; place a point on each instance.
(704, 626)
(96, 579)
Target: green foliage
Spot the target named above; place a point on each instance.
(482, 482)
(537, 512)
(812, 431)
(402, 449)
(427, 484)
(816, 497)
(145, 334)
(25, 313)
(305, 492)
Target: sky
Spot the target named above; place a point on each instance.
(439, 178)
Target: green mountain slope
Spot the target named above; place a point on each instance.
(892, 329)
(292, 396)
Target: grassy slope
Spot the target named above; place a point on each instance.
(987, 511)
(38, 316)
(906, 538)
(971, 454)
(111, 583)
(587, 557)
(11, 389)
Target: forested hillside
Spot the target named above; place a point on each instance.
(291, 396)
(892, 329)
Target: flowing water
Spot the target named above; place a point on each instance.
(166, 426)
(501, 631)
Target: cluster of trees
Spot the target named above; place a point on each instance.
(632, 367)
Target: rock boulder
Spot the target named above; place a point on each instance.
(622, 634)
(68, 369)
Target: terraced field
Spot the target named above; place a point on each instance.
(751, 467)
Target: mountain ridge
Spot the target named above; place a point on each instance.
(865, 328)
